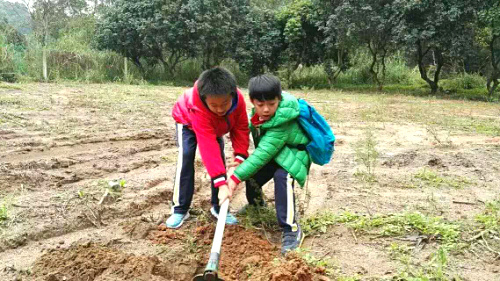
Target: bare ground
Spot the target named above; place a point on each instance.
(60, 145)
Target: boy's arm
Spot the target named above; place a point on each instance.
(209, 149)
(270, 144)
(240, 132)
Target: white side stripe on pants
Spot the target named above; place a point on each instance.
(178, 170)
(290, 206)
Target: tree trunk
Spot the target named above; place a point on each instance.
(138, 63)
(44, 64)
(440, 63)
(492, 88)
(495, 73)
(374, 73)
(421, 67)
(125, 69)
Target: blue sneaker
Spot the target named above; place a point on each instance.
(291, 240)
(176, 220)
(230, 219)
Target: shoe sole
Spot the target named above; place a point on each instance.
(212, 211)
(180, 224)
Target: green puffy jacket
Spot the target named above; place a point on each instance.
(277, 139)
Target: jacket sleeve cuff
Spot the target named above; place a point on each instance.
(235, 179)
(219, 181)
(239, 158)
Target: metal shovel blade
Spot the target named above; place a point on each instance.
(207, 276)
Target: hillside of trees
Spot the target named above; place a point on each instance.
(437, 47)
(16, 15)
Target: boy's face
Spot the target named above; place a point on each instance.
(219, 104)
(266, 109)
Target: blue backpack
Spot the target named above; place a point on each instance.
(322, 139)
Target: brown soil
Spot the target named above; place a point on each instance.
(94, 262)
(245, 254)
(61, 144)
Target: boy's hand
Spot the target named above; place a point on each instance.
(232, 186)
(233, 163)
(224, 193)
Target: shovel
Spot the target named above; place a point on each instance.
(210, 273)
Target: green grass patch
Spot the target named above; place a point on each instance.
(9, 86)
(436, 268)
(260, 217)
(4, 214)
(429, 178)
(436, 228)
(489, 219)
(9, 101)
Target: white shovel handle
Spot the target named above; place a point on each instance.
(219, 229)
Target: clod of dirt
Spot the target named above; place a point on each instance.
(94, 262)
(138, 230)
(164, 235)
(401, 160)
(292, 268)
(436, 162)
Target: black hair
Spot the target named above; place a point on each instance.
(264, 87)
(216, 81)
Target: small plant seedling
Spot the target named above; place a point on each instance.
(366, 154)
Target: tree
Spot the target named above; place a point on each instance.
(118, 31)
(49, 17)
(10, 35)
(261, 43)
(216, 24)
(365, 23)
(489, 21)
(434, 28)
(335, 45)
(302, 36)
(17, 15)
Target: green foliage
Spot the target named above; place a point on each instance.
(261, 43)
(263, 217)
(490, 218)
(435, 269)
(4, 215)
(370, 24)
(430, 178)
(388, 225)
(17, 15)
(464, 81)
(438, 29)
(366, 154)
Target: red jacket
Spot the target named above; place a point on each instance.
(191, 111)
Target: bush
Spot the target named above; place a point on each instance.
(313, 77)
(464, 81)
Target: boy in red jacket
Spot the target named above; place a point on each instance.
(203, 115)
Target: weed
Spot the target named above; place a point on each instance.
(4, 214)
(436, 228)
(326, 263)
(434, 132)
(262, 217)
(489, 219)
(367, 155)
(400, 252)
(436, 269)
(430, 178)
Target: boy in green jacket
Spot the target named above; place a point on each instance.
(279, 153)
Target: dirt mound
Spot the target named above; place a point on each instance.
(94, 262)
(242, 251)
(245, 255)
(292, 268)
